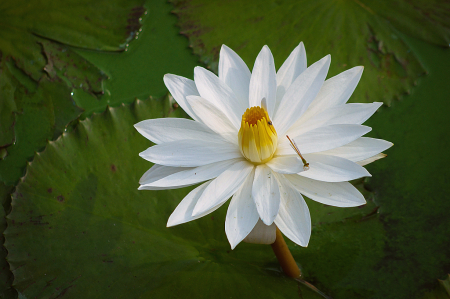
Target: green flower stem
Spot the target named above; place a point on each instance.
(285, 257)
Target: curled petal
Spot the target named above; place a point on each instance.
(293, 219)
(263, 82)
(234, 72)
(341, 194)
(266, 194)
(242, 214)
(332, 169)
(224, 186)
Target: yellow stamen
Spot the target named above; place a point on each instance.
(257, 137)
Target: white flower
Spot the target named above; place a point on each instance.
(237, 143)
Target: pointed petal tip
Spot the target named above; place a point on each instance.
(225, 48)
(197, 211)
(268, 221)
(233, 243)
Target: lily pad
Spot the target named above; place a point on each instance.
(355, 33)
(34, 42)
(6, 276)
(43, 116)
(7, 107)
(98, 26)
(78, 218)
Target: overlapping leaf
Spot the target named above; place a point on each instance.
(77, 217)
(33, 43)
(354, 32)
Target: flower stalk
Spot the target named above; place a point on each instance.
(285, 257)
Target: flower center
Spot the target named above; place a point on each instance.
(257, 136)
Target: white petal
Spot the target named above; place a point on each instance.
(335, 91)
(235, 73)
(342, 194)
(220, 95)
(183, 212)
(191, 176)
(180, 88)
(323, 138)
(172, 129)
(371, 159)
(263, 82)
(242, 214)
(157, 172)
(294, 65)
(214, 119)
(332, 169)
(293, 218)
(223, 187)
(300, 94)
(343, 114)
(262, 234)
(286, 164)
(190, 153)
(266, 194)
(360, 149)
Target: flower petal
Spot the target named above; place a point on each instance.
(262, 234)
(235, 73)
(266, 194)
(286, 164)
(263, 82)
(332, 169)
(162, 130)
(360, 149)
(180, 88)
(213, 118)
(190, 153)
(300, 94)
(242, 214)
(355, 114)
(192, 176)
(219, 94)
(293, 218)
(371, 159)
(342, 194)
(223, 187)
(292, 67)
(335, 91)
(183, 212)
(157, 172)
(323, 138)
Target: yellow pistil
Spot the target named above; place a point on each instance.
(257, 136)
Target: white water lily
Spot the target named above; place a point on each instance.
(236, 142)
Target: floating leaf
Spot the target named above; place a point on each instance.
(6, 277)
(353, 32)
(78, 217)
(43, 115)
(7, 107)
(97, 26)
(72, 68)
(33, 44)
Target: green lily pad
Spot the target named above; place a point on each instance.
(353, 32)
(72, 68)
(7, 107)
(98, 26)
(6, 276)
(77, 218)
(43, 116)
(34, 43)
